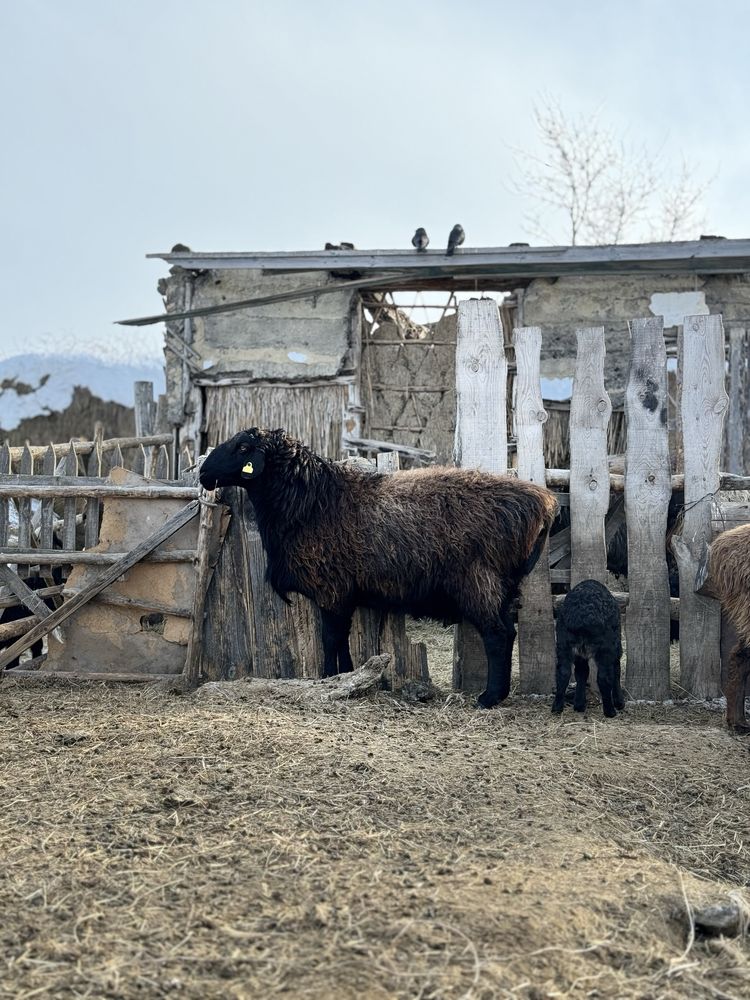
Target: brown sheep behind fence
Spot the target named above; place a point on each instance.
(729, 582)
(441, 542)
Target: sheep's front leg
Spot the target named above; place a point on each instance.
(498, 645)
(737, 676)
(336, 656)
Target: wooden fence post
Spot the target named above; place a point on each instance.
(704, 403)
(648, 489)
(590, 410)
(145, 408)
(737, 400)
(481, 440)
(536, 626)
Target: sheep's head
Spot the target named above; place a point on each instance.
(238, 461)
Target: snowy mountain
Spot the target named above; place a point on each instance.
(46, 396)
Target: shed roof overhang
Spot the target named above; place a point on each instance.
(709, 255)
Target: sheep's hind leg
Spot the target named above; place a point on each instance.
(736, 683)
(582, 676)
(606, 680)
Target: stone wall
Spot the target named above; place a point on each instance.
(560, 305)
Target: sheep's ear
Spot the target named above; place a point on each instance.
(253, 465)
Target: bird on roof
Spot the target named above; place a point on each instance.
(455, 239)
(180, 248)
(420, 240)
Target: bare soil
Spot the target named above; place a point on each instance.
(242, 845)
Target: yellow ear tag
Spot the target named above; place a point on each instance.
(248, 468)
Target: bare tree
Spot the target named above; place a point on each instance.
(601, 190)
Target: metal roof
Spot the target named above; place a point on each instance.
(708, 255)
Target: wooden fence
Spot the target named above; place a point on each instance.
(50, 513)
(241, 627)
(647, 487)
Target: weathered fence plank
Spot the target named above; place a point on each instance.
(590, 410)
(481, 440)
(24, 506)
(4, 503)
(229, 651)
(647, 494)
(145, 408)
(69, 505)
(202, 580)
(536, 626)
(704, 403)
(737, 423)
(47, 513)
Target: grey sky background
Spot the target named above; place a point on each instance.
(268, 126)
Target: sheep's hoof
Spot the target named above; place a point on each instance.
(488, 700)
(611, 713)
(741, 728)
(578, 707)
(557, 706)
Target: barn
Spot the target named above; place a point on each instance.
(347, 345)
(265, 837)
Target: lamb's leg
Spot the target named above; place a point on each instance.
(582, 676)
(562, 674)
(335, 641)
(737, 676)
(605, 678)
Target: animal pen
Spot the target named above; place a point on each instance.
(493, 410)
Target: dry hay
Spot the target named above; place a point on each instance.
(311, 413)
(163, 845)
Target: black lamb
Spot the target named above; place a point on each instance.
(440, 542)
(588, 628)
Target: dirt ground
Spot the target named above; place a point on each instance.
(158, 844)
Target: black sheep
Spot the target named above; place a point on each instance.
(17, 612)
(588, 628)
(441, 542)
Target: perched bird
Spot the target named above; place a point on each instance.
(456, 238)
(180, 248)
(420, 240)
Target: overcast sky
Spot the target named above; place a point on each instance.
(241, 125)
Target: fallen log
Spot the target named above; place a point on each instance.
(310, 691)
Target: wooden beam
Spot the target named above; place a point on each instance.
(74, 487)
(86, 447)
(57, 557)
(693, 256)
(109, 576)
(23, 592)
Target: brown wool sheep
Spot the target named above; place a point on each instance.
(441, 542)
(729, 582)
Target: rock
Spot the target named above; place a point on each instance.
(725, 919)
